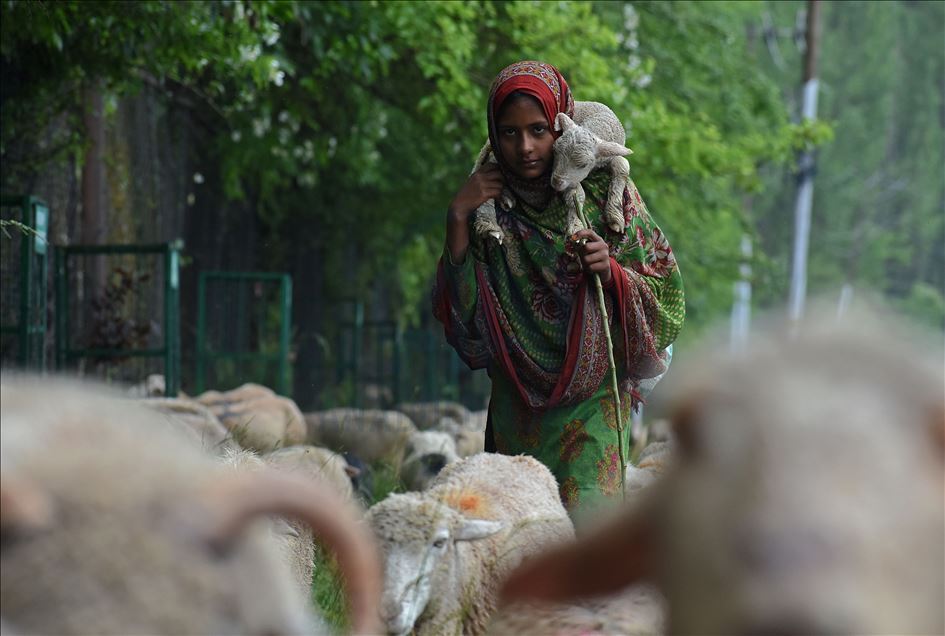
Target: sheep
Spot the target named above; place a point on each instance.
(239, 394)
(196, 421)
(294, 540)
(114, 523)
(807, 496)
(262, 423)
(427, 453)
(446, 549)
(653, 462)
(374, 436)
(468, 439)
(316, 463)
(595, 138)
(152, 386)
(426, 415)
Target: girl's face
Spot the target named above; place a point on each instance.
(525, 138)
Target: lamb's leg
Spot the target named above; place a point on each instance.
(485, 223)
(574, 218)
(613, 212)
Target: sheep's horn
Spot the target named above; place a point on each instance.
(237, 499)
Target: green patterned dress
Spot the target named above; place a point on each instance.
(526, 311)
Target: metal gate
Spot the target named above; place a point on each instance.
(243, 325)
(23, 275)
(118, 312)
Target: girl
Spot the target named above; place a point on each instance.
(527, 309)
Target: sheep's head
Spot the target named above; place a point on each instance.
(577, 152)
(793, 464)
(418, 538)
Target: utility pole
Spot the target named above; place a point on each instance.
(805, 177)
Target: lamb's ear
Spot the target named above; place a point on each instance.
(563, 122)
(472, 529)
(611, 149)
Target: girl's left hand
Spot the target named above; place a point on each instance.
(594, 254)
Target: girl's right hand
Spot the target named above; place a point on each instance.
(482, 185)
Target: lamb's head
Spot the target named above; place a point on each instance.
(418, 536)
(577, 152)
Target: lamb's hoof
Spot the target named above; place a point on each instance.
(618, 228)
(497, 236)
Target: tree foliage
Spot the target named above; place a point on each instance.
(350, 125)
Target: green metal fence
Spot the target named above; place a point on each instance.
(243, 325)
(23, 275)
(381, 365)
(118, 312)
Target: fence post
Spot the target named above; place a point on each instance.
(286, 301)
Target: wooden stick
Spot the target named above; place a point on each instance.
(618, 415)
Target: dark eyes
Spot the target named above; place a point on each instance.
(536, 130)
(439, 543)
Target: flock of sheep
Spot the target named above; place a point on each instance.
(800, 490)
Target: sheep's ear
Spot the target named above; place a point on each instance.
(611, 149)
(563, 122)
(472, 529)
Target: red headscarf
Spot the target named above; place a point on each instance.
(546, 84)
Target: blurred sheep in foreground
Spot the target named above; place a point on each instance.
(258, 418)
(373, 436)
(113, 523)
(807, 497)
(446, 549)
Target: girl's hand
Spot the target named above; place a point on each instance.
(594, 253)
(482, 185)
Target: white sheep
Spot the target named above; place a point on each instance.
(316, 463)
(259, 421)
(294, 539)
(807, 496)
(653, 462)
(446, 549)
(427, 453)
(595, 138)
(374, 436)
(426, 415)
(196, 421)
(468, 438)
(114, 523)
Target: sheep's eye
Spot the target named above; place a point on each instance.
(439, 543)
